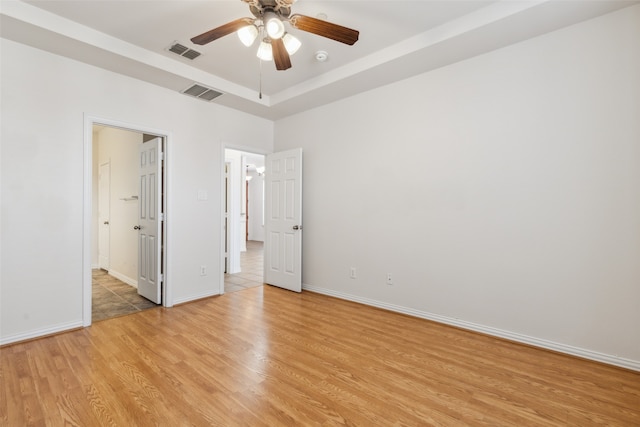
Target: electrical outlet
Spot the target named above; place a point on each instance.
(389, 280)
(353, 273)
(203, 270)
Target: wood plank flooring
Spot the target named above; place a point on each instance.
(111, 297)
(269, 357)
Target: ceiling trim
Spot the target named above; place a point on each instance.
(68, 29)
(491, 27)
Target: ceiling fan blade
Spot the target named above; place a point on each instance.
(325, 29)
(222, 31)
(280, 55)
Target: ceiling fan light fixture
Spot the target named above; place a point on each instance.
(247, 35)
(268, 25)
(265, 52)
(273, 25)
(291, 43)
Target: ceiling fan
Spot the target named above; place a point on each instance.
(276, 43)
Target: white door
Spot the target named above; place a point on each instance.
(283, 220)
(149, 225)
(104, 194)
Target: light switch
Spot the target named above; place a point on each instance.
(202, 195)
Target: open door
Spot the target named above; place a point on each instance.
(150, 224)
(283, 220)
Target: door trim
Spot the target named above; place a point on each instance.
(89, 122)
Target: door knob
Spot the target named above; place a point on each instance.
(137, 227)
(106, 223)
(297, 227)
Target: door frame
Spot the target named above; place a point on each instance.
(249, 150)
(89, 122)
(226, 235)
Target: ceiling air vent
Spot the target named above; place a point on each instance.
(202, 92)
(184, 51)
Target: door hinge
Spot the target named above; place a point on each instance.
(161, 216)
(161, 155)
(161, 278)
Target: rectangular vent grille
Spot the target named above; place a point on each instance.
(184, 51)
(178, 48)
(202, 92)
(191, 54)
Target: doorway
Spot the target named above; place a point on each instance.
(112, 221)
(243, 227)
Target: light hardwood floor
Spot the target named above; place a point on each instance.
(112, 297)
(269, 357)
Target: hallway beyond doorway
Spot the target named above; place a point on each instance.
(251, 263)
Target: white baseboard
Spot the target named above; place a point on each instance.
(500, 333)
(125, 279)
(195, 297)
(40, 332)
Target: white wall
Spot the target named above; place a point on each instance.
(502, 192)
(44, 99)
(121, 149)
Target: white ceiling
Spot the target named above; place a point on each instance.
(398, 39)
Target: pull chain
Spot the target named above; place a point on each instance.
(260, 94)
